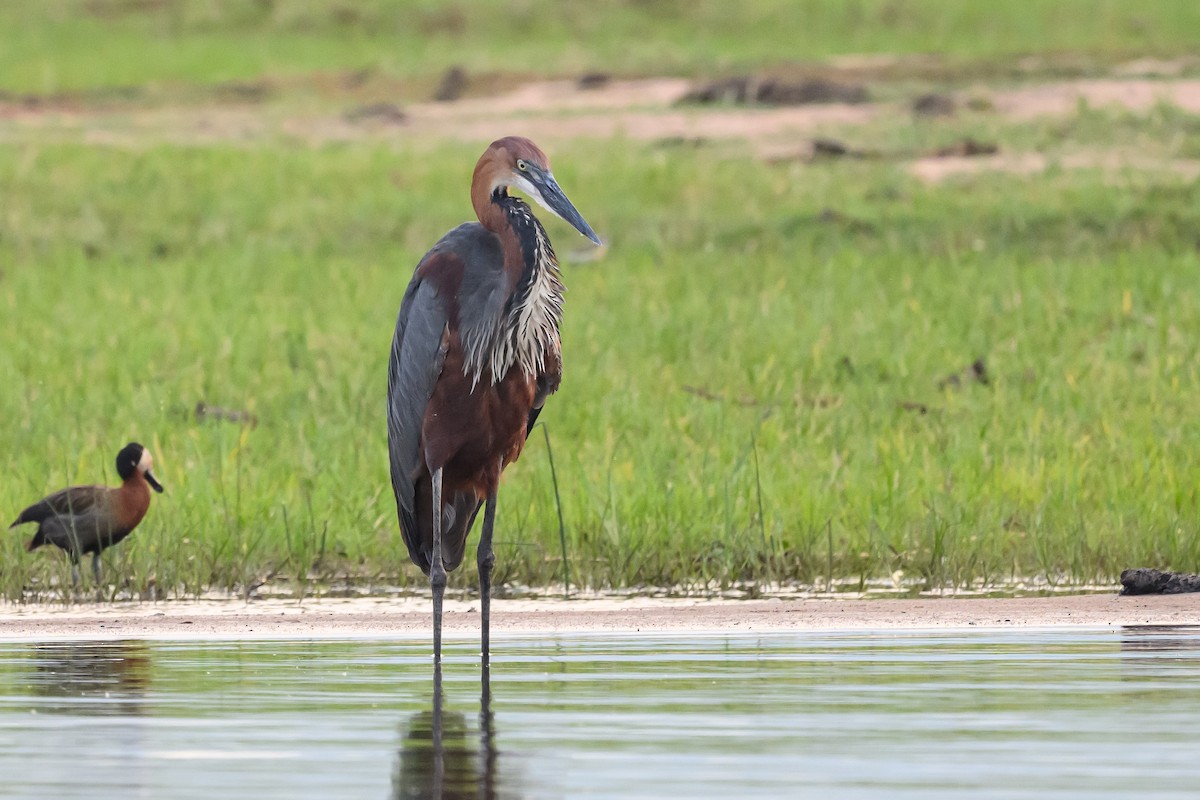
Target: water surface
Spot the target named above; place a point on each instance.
(1075, 714)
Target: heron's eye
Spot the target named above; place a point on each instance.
(521, 165)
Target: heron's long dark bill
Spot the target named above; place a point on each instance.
(557, 202)
(150, 479)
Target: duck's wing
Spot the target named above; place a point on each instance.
(74, 501)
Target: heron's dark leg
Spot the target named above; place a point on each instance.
(485, 558)
(437, 570)
(74, 571)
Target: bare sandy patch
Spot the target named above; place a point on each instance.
(409, 617)
(556, 110)
(1156, 67)
(1065, 97)
(935, 170)
(551, 111)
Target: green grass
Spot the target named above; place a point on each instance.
(52, 46)
(738, 366)
(756, 372)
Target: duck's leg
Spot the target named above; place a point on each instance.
(486, 559)
(437, 570)
(96, 577)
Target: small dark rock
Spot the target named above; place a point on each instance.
(979, 371)
(975, 371)
(813, 90)
(730, 90)
(1152, 581)
(388, 113)
(593, 80)
(681, 141)
(453, 84)
(205, 412)
(968, 148)
(934, 105)
(829, 147)
(832, 148)
(744, 90)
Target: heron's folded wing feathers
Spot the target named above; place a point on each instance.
(416, 363)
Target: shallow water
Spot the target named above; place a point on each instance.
(1075, 714)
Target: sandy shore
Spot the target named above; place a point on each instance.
(409, 617)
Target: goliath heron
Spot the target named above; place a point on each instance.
(88, 519)
(475, 354)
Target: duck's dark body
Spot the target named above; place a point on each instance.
(87, 519)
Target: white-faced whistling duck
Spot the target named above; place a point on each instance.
(88, 519)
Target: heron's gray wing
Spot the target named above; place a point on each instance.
(418, 352)
(74, 500)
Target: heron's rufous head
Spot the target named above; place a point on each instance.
(515, 162)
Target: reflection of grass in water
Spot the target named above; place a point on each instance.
(77, 44)
(266, 279)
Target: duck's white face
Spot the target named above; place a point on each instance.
(143, 468)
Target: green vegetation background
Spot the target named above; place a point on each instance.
(755, 371)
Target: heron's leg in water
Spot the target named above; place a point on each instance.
(437, 570)
(487, 735)
(439, 756)
(485, 558)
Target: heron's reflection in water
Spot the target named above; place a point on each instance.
(92, 678)
(442, 758)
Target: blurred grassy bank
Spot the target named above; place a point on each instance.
(750, 377)
(56, 46)
(768, 376)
